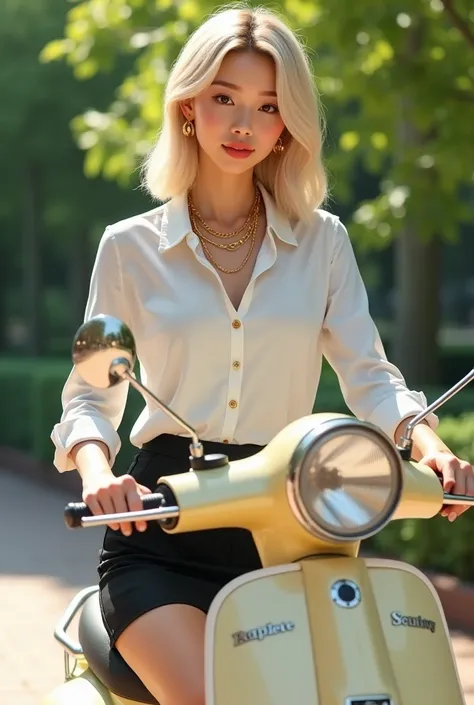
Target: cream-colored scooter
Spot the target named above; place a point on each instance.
(317, 625)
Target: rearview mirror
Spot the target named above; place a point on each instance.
(101, 345)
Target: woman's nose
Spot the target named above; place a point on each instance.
(242, 125)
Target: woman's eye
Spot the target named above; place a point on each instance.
(223, 99)
(268, 108)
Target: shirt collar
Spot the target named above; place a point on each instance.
(176, 225)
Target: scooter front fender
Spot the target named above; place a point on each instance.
(330, 631)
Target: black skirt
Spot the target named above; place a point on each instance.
(150, 569)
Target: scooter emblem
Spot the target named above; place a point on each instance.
(404, 620)
(259, 633)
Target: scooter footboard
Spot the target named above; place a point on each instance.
(330, 631)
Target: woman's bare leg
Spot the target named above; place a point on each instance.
(165, 648)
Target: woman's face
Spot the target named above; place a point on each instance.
(236, 119)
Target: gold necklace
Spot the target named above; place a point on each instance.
(229, 246)
(226, 270)
(253, 233)
(254, 209)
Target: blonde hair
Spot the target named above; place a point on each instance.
(296, 177)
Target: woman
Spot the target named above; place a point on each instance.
(234, 289)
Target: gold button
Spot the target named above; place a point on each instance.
(233, 404)
(225, 440)
(236, 323)
(236, 365)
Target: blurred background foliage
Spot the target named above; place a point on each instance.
(82, 86)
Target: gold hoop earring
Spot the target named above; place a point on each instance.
(188, 129)
(279, 147)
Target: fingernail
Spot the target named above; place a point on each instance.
(453, 516)
(127, 532)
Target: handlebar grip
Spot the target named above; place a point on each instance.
(75, 511)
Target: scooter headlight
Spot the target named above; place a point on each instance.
(345, 480)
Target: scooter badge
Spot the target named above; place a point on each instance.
(259, 633)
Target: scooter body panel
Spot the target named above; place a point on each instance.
(297, 631)
(84, 689)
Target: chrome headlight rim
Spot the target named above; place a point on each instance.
(325, 431)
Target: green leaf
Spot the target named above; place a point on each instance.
(55, 50)
(94, 161)
(349, 141)
(86, 69)
(379, 140)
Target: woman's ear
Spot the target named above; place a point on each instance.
(187, 109)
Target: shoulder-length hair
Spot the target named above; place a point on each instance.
(295, 178)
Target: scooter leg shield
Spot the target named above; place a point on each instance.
(330, 631)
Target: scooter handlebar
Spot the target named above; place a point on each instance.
(75, 512)
(162, 506)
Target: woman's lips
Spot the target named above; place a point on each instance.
(240, 153)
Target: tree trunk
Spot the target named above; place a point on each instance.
(80, 272)
(4, 282)
(415, 345)
(417, 267)
(32, 261)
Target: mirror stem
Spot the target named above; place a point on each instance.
(121, 367)
(406, 442)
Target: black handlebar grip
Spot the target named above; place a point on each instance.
(75, 511)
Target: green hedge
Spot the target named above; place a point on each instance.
(32, 404)
(31, 396)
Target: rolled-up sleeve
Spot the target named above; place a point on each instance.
(373, 388)
(88, 413)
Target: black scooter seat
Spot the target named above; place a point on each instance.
(106, 662)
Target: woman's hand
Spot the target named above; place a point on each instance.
(458, 478)
(457, 474)
(106, 494)
(101, 490)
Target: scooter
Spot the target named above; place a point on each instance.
(317, 624)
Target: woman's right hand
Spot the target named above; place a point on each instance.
(104, 493)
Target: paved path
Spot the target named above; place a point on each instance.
(42, 565)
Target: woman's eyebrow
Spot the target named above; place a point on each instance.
(218, 82)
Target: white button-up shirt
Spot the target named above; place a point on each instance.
(237, 376)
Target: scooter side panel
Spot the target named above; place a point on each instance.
(84, 689)
(258, 643)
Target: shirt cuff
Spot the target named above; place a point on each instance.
(67, 434)
(392, 411)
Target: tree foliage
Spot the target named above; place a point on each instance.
(379, 67)
(49, 211)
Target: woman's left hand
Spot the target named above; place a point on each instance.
(458, 478)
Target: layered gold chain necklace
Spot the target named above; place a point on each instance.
(249, 228)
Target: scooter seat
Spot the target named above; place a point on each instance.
(106, 662)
